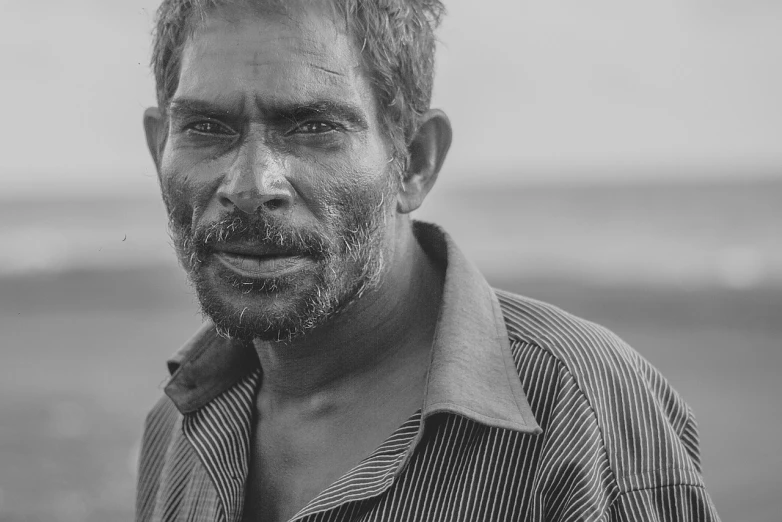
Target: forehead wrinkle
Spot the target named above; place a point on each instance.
(326, 60)
(333, 77)
(305, 37)
(309, 51)
(320, 51)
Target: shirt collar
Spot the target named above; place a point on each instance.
(472, 372)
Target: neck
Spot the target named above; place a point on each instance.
(384, 331)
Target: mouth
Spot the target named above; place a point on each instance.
(260, 262)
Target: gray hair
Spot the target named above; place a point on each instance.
(396, 39)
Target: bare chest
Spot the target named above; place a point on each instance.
(300, 448)
(290, 466)
(280, 486)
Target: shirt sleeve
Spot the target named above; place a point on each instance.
(681, 503)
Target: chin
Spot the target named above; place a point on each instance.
(255, 319)
(268, 308)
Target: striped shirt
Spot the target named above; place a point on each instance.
(530, 414)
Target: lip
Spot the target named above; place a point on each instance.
(248, 264)
(253, 250)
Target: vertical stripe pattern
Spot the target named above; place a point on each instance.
(220, 434)
(617, 444)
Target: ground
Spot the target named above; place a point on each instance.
(83, 359)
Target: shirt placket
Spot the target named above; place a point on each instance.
(370, 478)
(220, 434)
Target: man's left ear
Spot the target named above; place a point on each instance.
(427, 151)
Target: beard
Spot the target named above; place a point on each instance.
(347, 260)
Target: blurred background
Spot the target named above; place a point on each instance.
(622, 160)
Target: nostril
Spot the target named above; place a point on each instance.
(225, 201)
(274, 204)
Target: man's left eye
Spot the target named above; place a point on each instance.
(314, 127)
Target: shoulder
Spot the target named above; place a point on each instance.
(647, 432)
(590, 352)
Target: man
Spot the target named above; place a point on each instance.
(354, 365)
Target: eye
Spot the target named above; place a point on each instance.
(314, 127)
(208, 127)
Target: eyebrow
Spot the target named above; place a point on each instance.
(183, 107)
(281, 111)
(329, 108)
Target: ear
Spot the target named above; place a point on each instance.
(427, 151)
(156, 130)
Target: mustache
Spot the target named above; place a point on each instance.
(256, 229)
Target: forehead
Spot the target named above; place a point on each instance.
(300, 52)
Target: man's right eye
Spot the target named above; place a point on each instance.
(208, 127)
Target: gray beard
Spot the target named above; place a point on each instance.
(346, 269)
(334, 292)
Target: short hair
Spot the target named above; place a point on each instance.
(395, 37)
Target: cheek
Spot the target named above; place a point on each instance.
(336, 181)
(187, 189)
(329, 192)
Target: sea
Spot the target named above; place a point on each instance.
(725, 233)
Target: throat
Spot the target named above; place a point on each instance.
(295, 456)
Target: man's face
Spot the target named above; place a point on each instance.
(275, 172)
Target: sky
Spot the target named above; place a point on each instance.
(537, 90)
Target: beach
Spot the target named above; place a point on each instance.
(688, 275)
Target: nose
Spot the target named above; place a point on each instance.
(255, 181)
